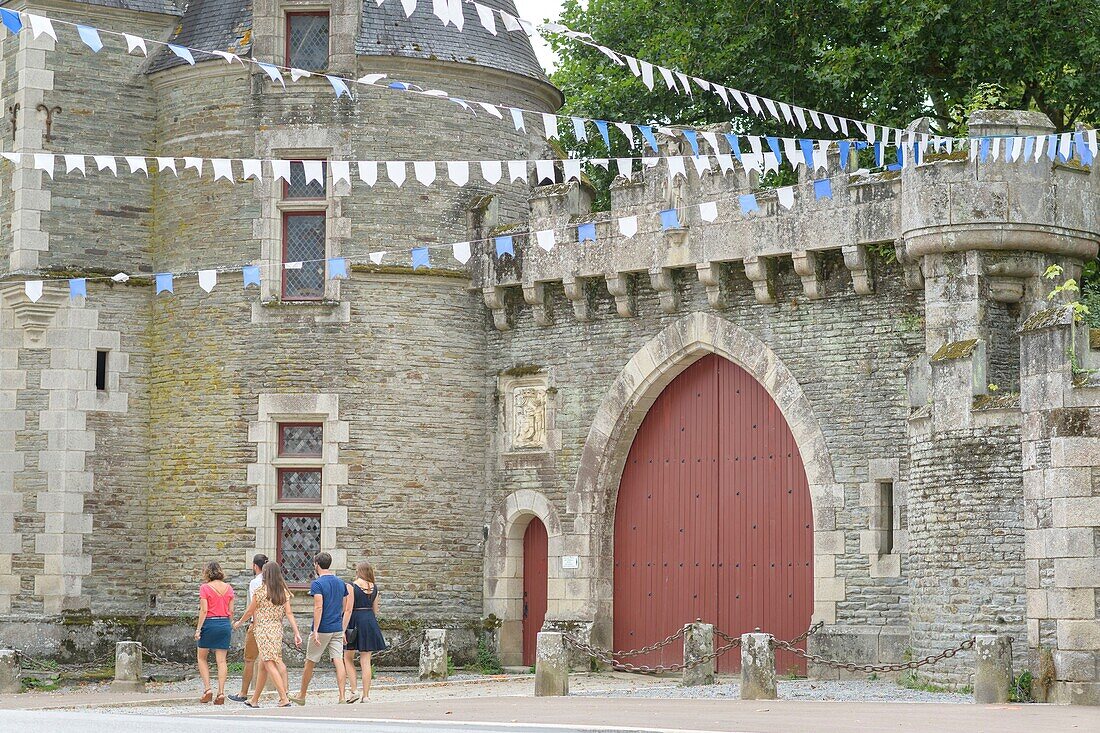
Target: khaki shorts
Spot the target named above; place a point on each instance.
(333, 641)
(251, 651)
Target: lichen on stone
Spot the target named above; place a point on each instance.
(955, 350)
(1059, 315)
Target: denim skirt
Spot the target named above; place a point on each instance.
(215, 634)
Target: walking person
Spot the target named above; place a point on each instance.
(214, 629)
(258, 562)
(363, 635)
(269, 605)
(330, 618)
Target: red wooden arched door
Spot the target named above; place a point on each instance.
(713, 518)
(535, 549)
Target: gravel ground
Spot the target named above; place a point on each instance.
(831, 690)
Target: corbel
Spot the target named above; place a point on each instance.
(857, 262)
(577, 294)
(664, 284)
(761, 272)
(621, 286)
(535, 296)
(710, 277)
(807, 267)
(494, 299)
(911, 272)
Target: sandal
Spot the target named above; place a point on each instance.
(248, 704)
(284, 705)
(207, 697)
(219, 700)
(352, 700)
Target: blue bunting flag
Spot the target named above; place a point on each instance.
(420, 258)
(504, 246)
(670, 219)
(586, 232)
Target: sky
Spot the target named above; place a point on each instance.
(539, 11)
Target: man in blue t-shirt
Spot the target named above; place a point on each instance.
(330, 618)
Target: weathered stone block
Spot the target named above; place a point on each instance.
(11, 676)
(128, 677)
(433, 655)
(551, 665)
(992, 668)
(757, 667)
(698, 643)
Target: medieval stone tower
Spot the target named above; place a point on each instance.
(764, 420)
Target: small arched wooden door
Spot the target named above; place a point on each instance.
(535, 548)
(713, 518)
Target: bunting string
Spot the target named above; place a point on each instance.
(716, 210)
(635, 134)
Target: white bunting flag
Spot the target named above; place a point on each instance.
(1065, 145)
(167, 164)
(40, 25)
(786, 196)
(517, 119)
(1016, 149)
(726, 162)
(137, 163)
(229, 57)
(368, 172)
(751, 161)
(106, 163)
(223, 168)
(491, 109)
(510, 21)
(666, 74)
(676, 167)
(609, 53)
(490, 171)
(793, 153)
(843, 125)
(754, 143)
(721, 92)
(627, 130)
(544, 171)
(770, 106)
(550, 124)
(684, 82)
(376, 257)
(572, 169)
(545, 239)
(15, 158)
(280, 169)
(740, 99)
(75, 163)
(647, 74)
(628, 226)
(461, 251)
(625, 166)
(831, 122)
(800, 115)
(517, 171)
(409, 6)
(487, 18)
(33, 289)
(578, 129)
(754, 102)
(341, 171)
(208, 279)
(996, 151)
(712, 141)
(371, 79)
(815, 118)
(251, 168)
(703, 83)
(296, 74)
(442, 10)
(458, 171)
(292, 265)
(135, 43)
(457, 18)
(708, 211)
(195, 163)
(395, 170)
(601, 162)
(314, 171)
(424, 170)
(771, 161)
(650, 161)
(701, 163)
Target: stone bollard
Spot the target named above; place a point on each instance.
(698, 643)
(757, 667)
(11, 676)
(551, 665)
(992, 668)
(433, 655)
(128, 667)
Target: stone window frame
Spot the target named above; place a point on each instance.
(506, 387)
(883, 565)
(291, 142)
(269, 38)
(289, 8)
(263, 515)
(291, 206)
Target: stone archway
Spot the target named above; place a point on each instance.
(504, 566)
(617, 421)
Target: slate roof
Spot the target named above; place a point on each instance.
(226, 25)
(385, 31)
(212, 25)
(164, 7)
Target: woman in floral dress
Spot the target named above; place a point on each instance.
(270, 604)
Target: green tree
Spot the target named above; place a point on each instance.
(882, 60)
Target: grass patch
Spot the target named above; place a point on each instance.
(235, 667)
(913, 681)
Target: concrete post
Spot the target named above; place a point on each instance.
(11, 676)
(551, 665)
(433, 655)
(698, 643)
(757, 667)
(128, 676)
(992, 668)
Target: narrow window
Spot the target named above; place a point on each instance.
(307, 41)
(886, 517)
(305, 214)
(298, 541)
(101, 370)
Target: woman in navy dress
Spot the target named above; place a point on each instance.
(368, 635)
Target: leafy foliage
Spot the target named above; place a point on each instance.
(487, 661)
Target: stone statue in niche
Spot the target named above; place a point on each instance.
(529, 417)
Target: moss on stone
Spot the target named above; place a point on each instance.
(1001, 401)
(955, 350)
(1057, 316)
(403, 270)
(521, 370)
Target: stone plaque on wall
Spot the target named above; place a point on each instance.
(527, 415)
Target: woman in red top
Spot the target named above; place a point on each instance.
(214, 628)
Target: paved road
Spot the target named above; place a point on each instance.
(577, 714)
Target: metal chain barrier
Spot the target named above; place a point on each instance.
(813, 629)
(155, 657)
(26, 661)
(852, 667)
(652, 647)
(410, 635)
(605, 656)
